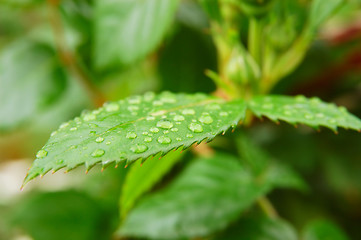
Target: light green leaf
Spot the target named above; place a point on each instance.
(31, 79)
(312, 112)
(126, 31)
(141, 178)
(205, 198)
(136, 128)
(323, 230)
(259, 228)
(321, 10)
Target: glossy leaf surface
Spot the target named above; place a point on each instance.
(136, 128)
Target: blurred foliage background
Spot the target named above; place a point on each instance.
(58, 58)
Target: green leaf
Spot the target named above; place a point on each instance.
(136, 128)
(141, 178)
(31, 80)
(208, 195)
(126, 31)
(312, 112)
(259, 228)
(274, 174)
(321, 10)
(323, 230)
(61, 215)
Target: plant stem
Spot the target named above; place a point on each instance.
(68, 58)
(267, 207)
(254, 39)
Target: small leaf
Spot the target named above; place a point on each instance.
(136, 128)
(259, 228)
(205, 198)
(142, 178)
(321, 10)
(126, 31)
(312, 112)
(323, 230)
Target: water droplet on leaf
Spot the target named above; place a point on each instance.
(111, 107)
(154, 129)
(178, 118)
(41, 153)
(195, 127)
(164, 140)
(148, 139)
(99, 139)
(165, 124)
(89, 117)
(223, 114)
(188, 111)
(131, 135)
(98, 153)
(138, 148)
(207, 119)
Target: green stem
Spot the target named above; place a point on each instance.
(267, 207)
(255, 39)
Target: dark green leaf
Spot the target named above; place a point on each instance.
(141, 178)
(60, 215)
(208, 195)
(126, 31)
(259, 228)
(312, 112)
(264, 167)
(136, 128)
(323, 230)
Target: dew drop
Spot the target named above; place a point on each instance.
(164, 140)
(154, 129)
(165, 124)
(205, 119)
(148, 96)
(267, 106)
(287, 112)
(60, 161)
(98, 153)
(178, 118)
(157, 103)
(138, 148)
(332, 121)
(133, 108)
(168, 97)
(308, 116)
(89, 117)
(166, 131)
(150, 118)
(73, 129)
(189, 135)
(213, 106)
(99, 139)
(178, 139)
(178, 123)
(135, 100)
(223, 114)
(145, 133)
(188, 111)
(300, 98)
(53, 133)
(108, 142)
(148, 139)
(320, 115)
(41, 153)
(195, 127)
(174, 129)
(111, 107)
(64, 125)
(93, 125)
(92, 133)
(131, 135)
